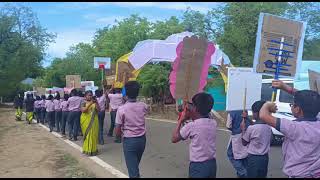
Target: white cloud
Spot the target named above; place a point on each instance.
(102, 19)
(66, 38)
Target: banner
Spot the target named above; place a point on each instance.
(239, 81)
(279, 46)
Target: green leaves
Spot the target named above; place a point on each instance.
(22, 45)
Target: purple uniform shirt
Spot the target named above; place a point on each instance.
(116, 100)
(64, 106)
(36, 104)
(57, 105)
(301, 148)
(74, 103)
(202, 133)
(102, 102)
(258, 136)
(131, 118)
(42, 103)
(49, 106)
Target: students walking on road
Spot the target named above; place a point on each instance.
(236, 151)
(58, 112)
(90, 124)
(37, 108)
(50, 112)
(202, 133)
(101, 98)
(116, 100)
(74, 107)
(65, 113)
(130, 121)
(18, 105)
(257, 137)
(42, 109)
(29, 103)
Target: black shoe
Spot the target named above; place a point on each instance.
(117, 141)
(109, 135)
(75, 138)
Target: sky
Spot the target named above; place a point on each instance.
(76, 22)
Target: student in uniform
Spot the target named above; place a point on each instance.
(74, 107)
(18, 105)
(101, 98)
(65, 113)
(236, 151)
(29, 103)
(257, 137)
(42, 109)
(116, 100)
(130, 120)
(50, 112)
(301, 145)
(202, 133)
(58, 112)
(37, 108)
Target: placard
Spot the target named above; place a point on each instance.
(240, 79)
(314, 81)
(106, 61)
(73, 81)
(278, 37)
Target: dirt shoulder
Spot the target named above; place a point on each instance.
(31, 151)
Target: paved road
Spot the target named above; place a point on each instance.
(164, 159)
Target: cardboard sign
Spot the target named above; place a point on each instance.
(73, 81)
(110, 79)
(40, 91)
(191, 67)
(124, 72)
(271, 30)
(87, 83)
(314, 81)
(239, 81)
(106, 61)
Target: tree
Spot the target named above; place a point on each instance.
(121, 38)
(78, 61)
(162, 29)
(22, 45)
(154, 80)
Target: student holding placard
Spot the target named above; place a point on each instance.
(202, 132)
(257, 138)
(236, 151)
(301, 146)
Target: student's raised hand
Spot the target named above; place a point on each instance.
(270, 106)
(185, 116)
(244, 114)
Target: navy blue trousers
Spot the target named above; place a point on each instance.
(133, 149)
(206, 169)
(74, 123)
(257, 166)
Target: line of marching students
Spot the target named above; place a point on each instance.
(250, 142)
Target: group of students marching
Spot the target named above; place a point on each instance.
(250, 142)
